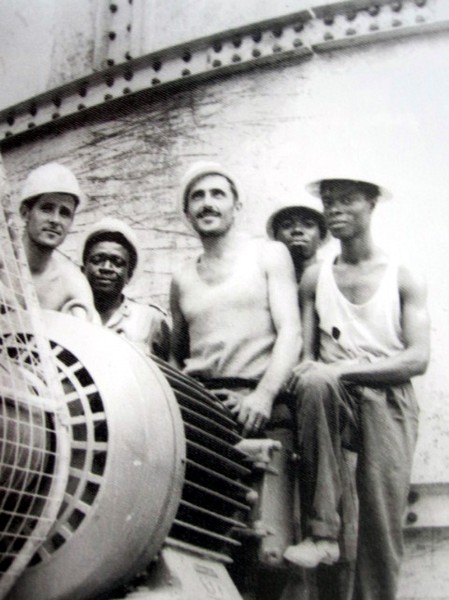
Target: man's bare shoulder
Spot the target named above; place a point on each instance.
(71, 276)
(65, 266)
(183, 271)
(183, 279)
(273, 253)
(411, 279)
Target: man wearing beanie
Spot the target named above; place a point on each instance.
(235, 312)
(110, 256)
(302, 229)
(48, 201)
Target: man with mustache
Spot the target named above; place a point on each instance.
(302, 229)
(235, 314)
(366, 334)
(48, 200)
(110, 255)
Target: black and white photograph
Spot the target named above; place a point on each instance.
(224, 300)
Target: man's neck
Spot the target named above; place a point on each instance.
(106, 305)
(38, 257)
(301, 265)
(357, 249)
(218, 248)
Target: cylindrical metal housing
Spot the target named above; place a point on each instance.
(126, 471)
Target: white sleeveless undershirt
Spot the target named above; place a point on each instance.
(367, 331)
(231, 331)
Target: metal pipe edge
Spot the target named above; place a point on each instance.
(298, 36)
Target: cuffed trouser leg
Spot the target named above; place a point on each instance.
(323, 407)
(389, 420)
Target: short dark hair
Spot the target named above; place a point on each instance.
(294, 210)
(370, 190)
(201, 176)
(112, 236)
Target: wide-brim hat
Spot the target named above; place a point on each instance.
(308, 205)
(314, 187)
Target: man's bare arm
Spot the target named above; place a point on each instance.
(414, 358)
(179, 341)
(282, 291)
(309, 318)
(80, 301)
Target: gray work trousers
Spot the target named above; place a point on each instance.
(380, 424)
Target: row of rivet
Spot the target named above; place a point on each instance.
(156, 66)
(256, 38)
(114, 33)
(373, 10)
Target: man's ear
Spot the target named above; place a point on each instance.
(24, 211)
(83, 269)
(237, 204)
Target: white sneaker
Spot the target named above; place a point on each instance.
(310, 553)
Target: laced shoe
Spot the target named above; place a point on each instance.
(311, 552)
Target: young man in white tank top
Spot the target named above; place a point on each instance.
(235, 313)
(366, 334)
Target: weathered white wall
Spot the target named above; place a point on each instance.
(380, 111)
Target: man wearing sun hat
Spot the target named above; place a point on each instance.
(110, 255)
(301, 228)
(366, 314)
(235, 314)
(47, 203)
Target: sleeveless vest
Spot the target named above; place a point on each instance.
(231, 332)
(367, 331)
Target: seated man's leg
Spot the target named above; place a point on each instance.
(324, 407)
(389, 421)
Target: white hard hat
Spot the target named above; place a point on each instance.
(51, 178)
(314, 186)
(109, 225)
(201, 169)
(308, 204)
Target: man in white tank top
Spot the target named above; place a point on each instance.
(366, 334)
(235, 311)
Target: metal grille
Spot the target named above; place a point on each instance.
(213, 500)
(88, 449)
(33, 437)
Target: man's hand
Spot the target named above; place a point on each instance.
(252, 411)
(309, 367)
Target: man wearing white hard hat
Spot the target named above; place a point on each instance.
(235, 314)
(366, 314)
(110, 256)
(48, 201)
(301, 228)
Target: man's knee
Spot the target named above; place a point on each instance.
(316, 383)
